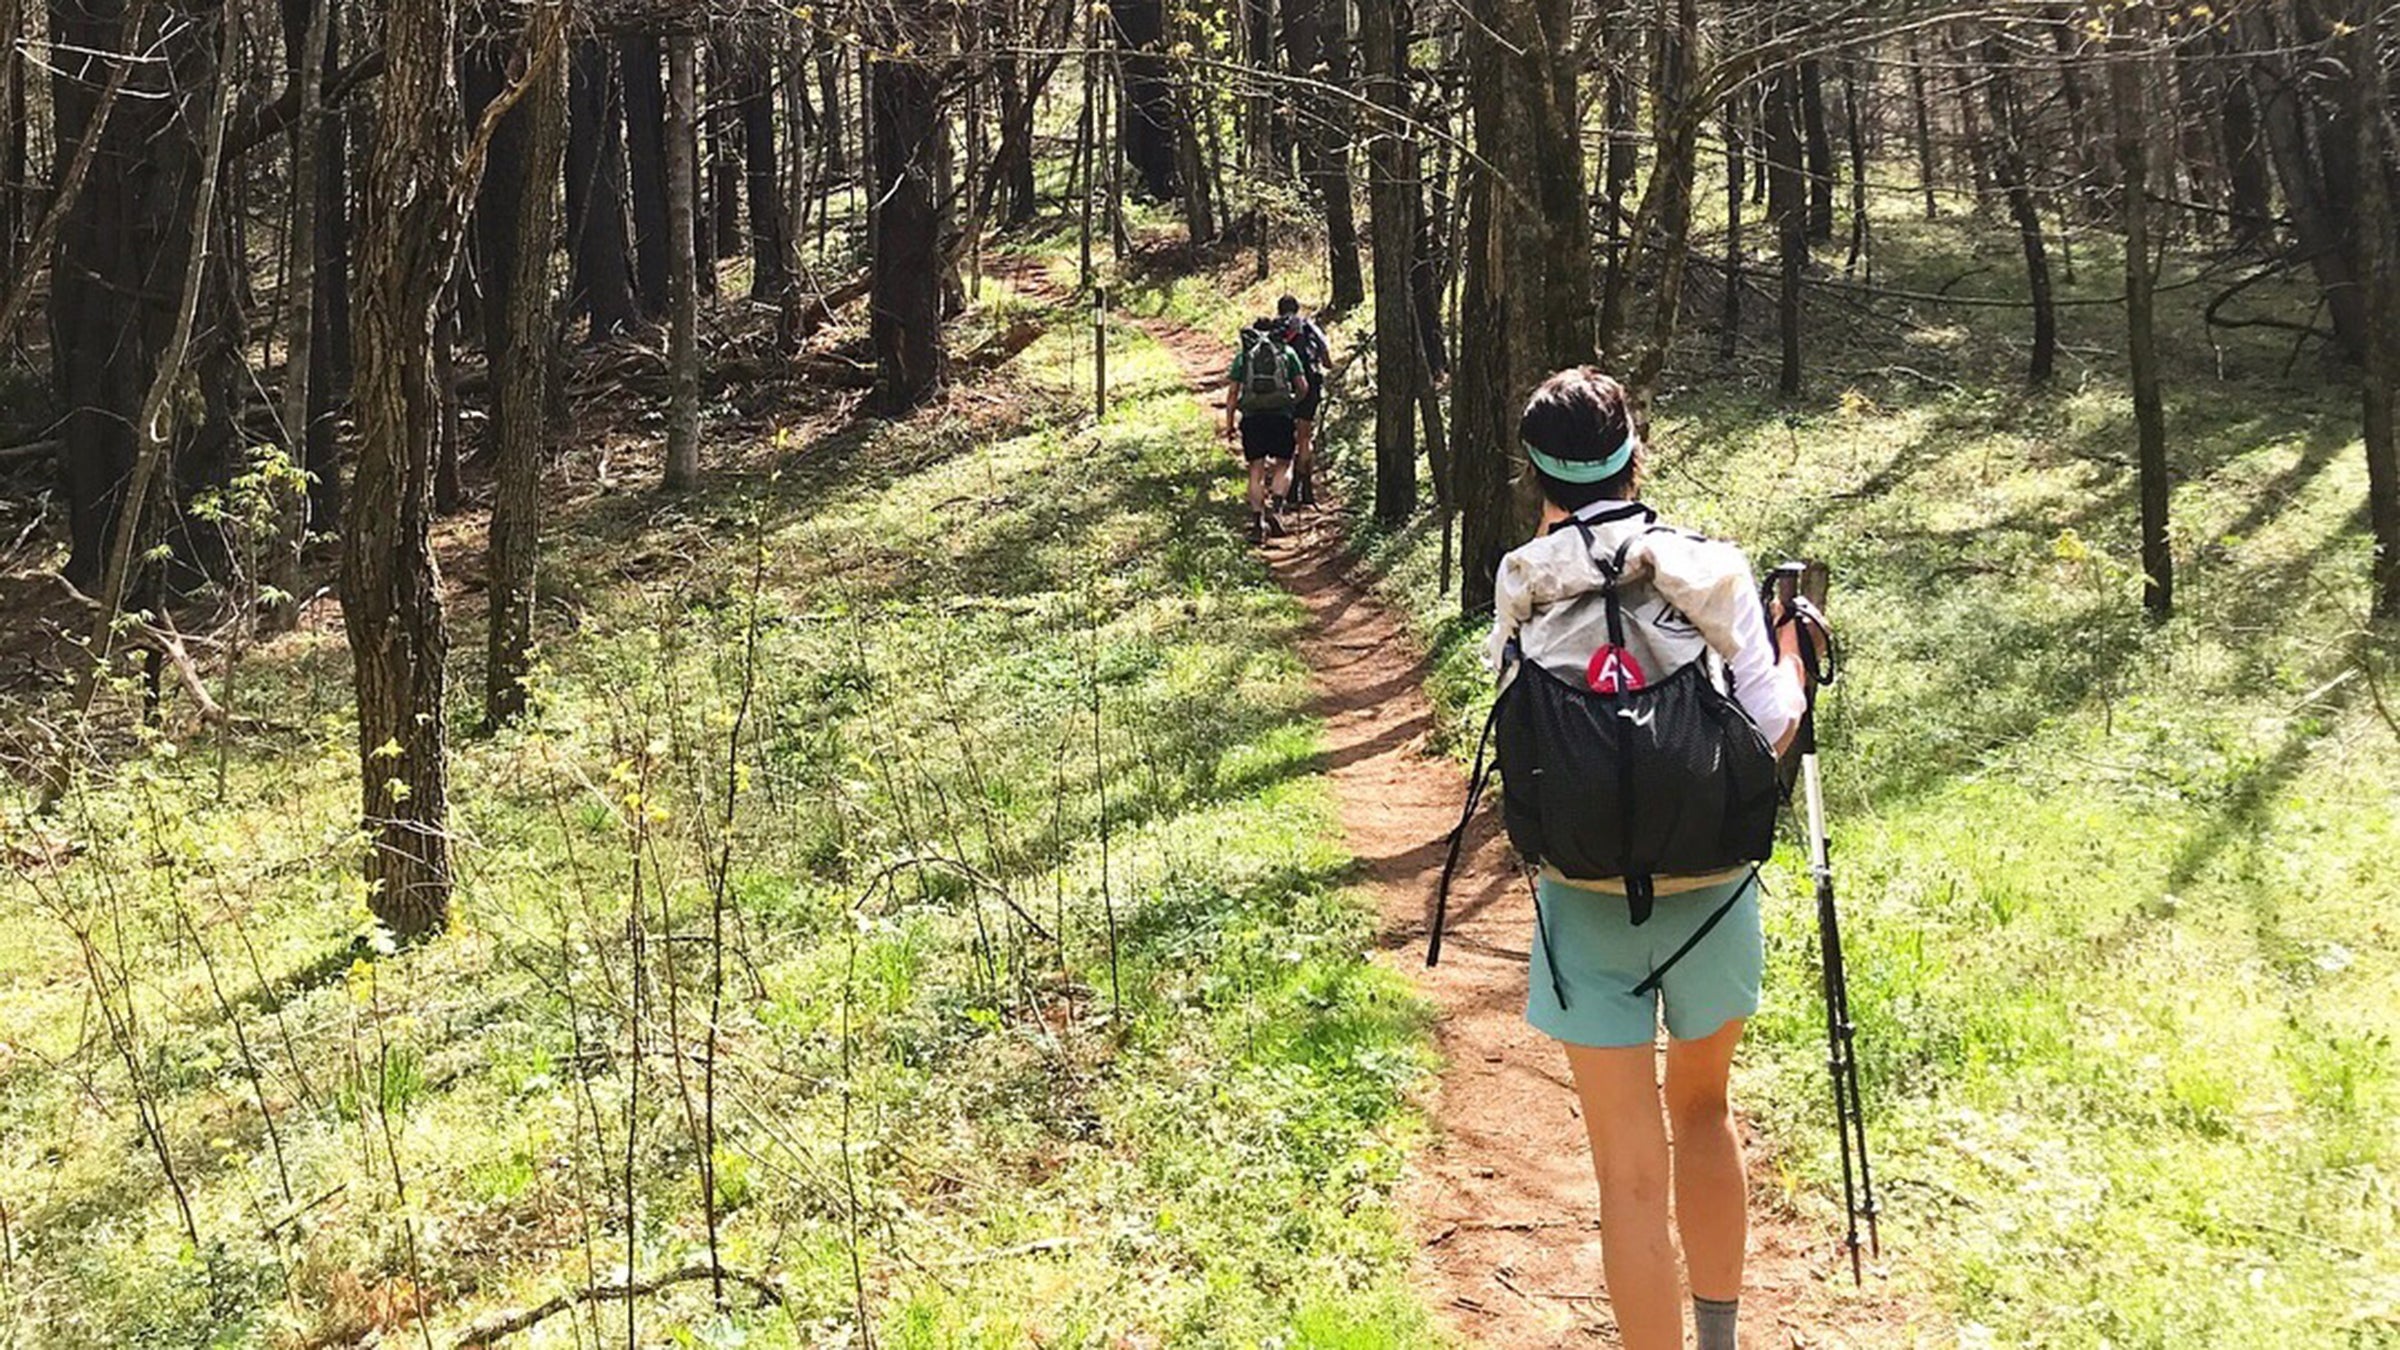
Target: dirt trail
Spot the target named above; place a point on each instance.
(1503, 1202)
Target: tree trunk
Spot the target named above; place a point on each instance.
(646, 152)
(1528, 307)
(683, 269)
(521, 360)
(12, 137)
(1146, 109)
(1923, 107)
(1316, 47)
(1191, 168)
(1729, 324)
(1617, 170)
(2246, 161)
(1393, 207)
(1427, 268)
(1787, 203)
(2313, 188)
(330, 351)
(156, 419)
(595, 173)
(701, 162)
(752, 89)
(1979, 158)
(829, 109)
(391, 591)
(2125, 74)
(110, 319)
(2091, 185)
(1820, 150)
(304, 70)
(724, 163)
(2014, 176)
(1334, 123)
(1012, 163)
(1854, 123)
(448, 491)
(1672, 179)
(1258, 39)
(907, 264)
(2379, 234)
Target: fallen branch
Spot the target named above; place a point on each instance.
(1033, 1248)
(488, 1332)
(164, 640)
(1000, 347)
(301, 1211)
(813, 312)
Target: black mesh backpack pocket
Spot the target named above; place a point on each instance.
(1669, 779)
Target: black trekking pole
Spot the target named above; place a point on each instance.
(1801, 589)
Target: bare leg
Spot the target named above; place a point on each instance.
(1619, 1091)
(1304, 442)
(1258, 486)
(1712, 1199)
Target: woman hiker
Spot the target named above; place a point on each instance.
(1604, 964)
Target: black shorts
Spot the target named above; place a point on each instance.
(1267, 436)
(1306, 411)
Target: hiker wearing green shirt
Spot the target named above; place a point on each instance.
(1263, 390)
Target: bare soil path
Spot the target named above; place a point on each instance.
(1503, 1201)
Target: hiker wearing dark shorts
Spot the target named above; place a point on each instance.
(1307, 341)
(1606, 600)
(1263, 387)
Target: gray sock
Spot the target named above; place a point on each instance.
(1713, 1321)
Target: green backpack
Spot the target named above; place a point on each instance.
(1267, 382)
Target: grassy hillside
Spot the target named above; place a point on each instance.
(1042, 1012)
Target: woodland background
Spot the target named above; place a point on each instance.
(627, 679)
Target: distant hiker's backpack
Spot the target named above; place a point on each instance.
(1623, 772)
(1267, 384)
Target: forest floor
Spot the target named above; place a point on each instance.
(1502, 1201)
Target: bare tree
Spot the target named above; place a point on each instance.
(2125, 77)
(2379, 233)
(908, 266)
(1528, 255)
(391, 588)
(595, 172)
(683, 267)
(1393, 206)
(1787, 203)
(2013, 171)
(521, 220)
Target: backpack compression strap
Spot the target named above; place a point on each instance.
(1640, 893)
(1660, 972)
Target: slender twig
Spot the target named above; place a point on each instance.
(485, 1333)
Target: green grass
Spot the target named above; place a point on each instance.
(1133, 1078)
(2119, 895)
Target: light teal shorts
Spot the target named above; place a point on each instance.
(1588, 958)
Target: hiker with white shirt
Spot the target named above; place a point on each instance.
(1645, 695)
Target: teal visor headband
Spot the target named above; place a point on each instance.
(1587, 470)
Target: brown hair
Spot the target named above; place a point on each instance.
(1580, 413)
